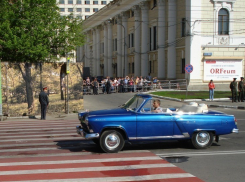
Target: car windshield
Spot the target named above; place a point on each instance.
(134, 103)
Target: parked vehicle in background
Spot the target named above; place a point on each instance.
(135, 121)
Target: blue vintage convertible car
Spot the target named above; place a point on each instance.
(135, 121)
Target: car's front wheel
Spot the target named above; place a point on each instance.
(202, 139)
(111, 141)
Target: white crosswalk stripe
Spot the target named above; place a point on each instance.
(48, 153)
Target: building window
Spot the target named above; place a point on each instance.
(61, 1)
(149, 67)
(79, 16)
(154, 4)
(132, 40)
(95, 2)
(223, 22)
(183, 24)
(155, 38)
(103, 2)
(70, 9)
(132, 67)
(132, 13)
(95, 9)
(183, 65)
(129, 41)
(87, 9)
(150, 40)
(79, 9)
(86, 16)
(79, 2)
(62, 9)
(115, 44)
(129, 67)
(87, 2)
(70, 1)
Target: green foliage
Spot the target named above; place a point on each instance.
(34, 31)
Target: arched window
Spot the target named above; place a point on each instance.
(223, 22)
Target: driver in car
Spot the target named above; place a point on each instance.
(156, 106)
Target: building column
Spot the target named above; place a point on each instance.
(119, 47)
(193, 42)
(161, 40)
(105, 50)
(110, 48)
(137, 22)
(87, 52)
(144, 38)
(94, 53)
(171, 73)
(124, 46)
(98, 51)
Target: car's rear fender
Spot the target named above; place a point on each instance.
(208, 130)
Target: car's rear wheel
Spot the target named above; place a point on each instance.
(111, 141)
(202, 139)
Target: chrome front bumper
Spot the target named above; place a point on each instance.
(235, 130)
(81, 132)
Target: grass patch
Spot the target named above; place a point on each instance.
(192, 94)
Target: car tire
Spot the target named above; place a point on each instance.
(111, 141)
(202, 139)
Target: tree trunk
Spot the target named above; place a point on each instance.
(28, 80)
(41, 76)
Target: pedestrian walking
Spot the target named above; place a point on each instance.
(241, 90)
(211, 87)
(95, 85)
(44, 102)
(233, 87)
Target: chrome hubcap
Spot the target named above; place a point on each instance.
(203, 138)
(112, 141)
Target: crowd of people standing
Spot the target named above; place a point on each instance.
(119, 85)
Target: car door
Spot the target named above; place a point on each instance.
(153, 125)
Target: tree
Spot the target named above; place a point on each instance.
(32, 31)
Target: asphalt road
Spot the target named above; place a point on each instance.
(223, 161)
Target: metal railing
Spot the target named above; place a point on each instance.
(180, 84)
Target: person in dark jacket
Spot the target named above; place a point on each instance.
(44, 101)
(108, 85)
(95, 85)
(233, 87)
(241, 90)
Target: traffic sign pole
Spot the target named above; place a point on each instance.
(67, 85)
(188, 69)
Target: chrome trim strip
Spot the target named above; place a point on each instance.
(157, 137)
(186, 135)
(235, 130)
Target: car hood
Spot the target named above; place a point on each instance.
(108, 112)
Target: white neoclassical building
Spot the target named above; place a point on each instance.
(81, 8)
(197, 40)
